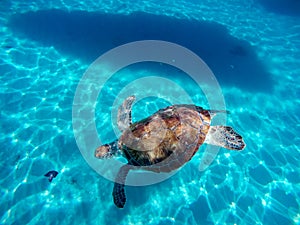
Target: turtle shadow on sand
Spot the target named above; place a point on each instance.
(87, 35)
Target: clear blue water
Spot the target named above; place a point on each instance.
(253, 48)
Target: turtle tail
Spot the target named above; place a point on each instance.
(225, 137)
(119, 195)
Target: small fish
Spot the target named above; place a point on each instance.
(51, 174)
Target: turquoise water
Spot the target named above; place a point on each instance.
(252, 47)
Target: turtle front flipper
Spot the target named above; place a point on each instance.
(119, 191)
(225, 137)
(124, 113)
(107, 151)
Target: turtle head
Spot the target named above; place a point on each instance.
(106, 151)
(103, 152)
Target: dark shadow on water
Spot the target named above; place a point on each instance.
(286, 7)
(86, 35)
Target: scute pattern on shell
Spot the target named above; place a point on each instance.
(166, 140)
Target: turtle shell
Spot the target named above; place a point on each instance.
(166, 140)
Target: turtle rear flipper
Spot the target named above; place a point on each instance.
(124, 113)
(225, 137)
(119, 191)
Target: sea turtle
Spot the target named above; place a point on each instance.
(164, 141)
